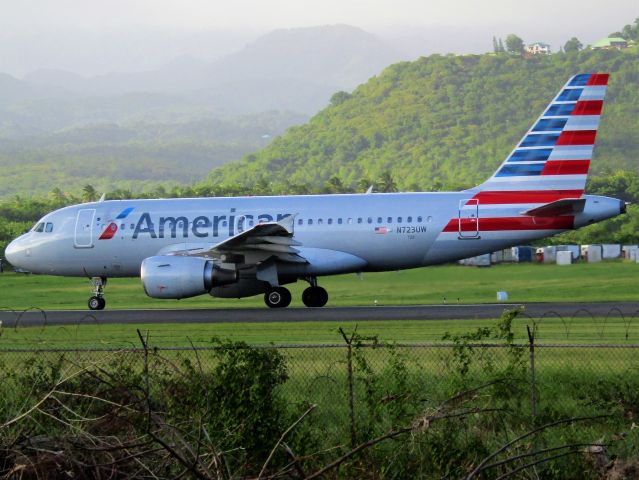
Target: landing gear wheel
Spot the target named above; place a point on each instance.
(97, 303)
(315, 297)
(277, 297)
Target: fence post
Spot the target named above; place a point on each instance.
(533, 382)
(349, 371)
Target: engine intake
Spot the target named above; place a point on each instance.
(168, 276)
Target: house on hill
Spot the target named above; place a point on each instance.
(610, 43)
(537, 48)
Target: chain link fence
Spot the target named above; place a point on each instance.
(359, 382)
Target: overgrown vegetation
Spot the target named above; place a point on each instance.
(363, 410)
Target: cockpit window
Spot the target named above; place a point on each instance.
(48, 227)
(39, 227)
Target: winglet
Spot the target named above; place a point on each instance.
(102, 198)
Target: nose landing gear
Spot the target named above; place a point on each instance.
(97, 301)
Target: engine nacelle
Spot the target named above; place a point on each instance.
(168, 276)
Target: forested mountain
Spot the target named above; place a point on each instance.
(443, 122)
(137, 155)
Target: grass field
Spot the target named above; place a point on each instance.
(608, 281)
(91, 334)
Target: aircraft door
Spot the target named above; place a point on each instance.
(469, 218)
(84, 228)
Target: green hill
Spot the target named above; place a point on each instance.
(442, 122)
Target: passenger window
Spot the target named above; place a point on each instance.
(251, 223)
(399, 219)
(419, 219)
(370, 220)
(300, 221)
(429, 219)
(379, 219)
(350, 220)
(310, 221)
(330, 221)
(359, 220)
(409, 219)
(48, 228)
(389, 219)
(132, 226)
(122, 226)
(339, 220)
(319, 221)
(39, 228)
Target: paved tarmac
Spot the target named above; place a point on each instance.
(36, 317)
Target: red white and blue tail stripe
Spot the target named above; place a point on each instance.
(551, 161)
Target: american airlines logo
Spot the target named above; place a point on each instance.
(182, 226)
(200, 226)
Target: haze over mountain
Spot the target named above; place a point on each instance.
(61, 127)
(292, 69)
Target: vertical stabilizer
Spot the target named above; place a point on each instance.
(551, 161)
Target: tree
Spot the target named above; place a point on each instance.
(514, 44)
(573, 45)
(501, 46)
(340, 97)
(89, 194)
(495, 45)
(386, 182)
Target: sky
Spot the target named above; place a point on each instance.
(98, 36)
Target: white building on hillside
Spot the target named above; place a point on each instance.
(537, 48)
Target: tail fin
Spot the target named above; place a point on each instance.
(551, 161)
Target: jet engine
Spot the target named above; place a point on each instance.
(168, 276)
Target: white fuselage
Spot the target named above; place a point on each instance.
(384, 231)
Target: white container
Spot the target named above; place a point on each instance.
(574, 249)
(550, 254)
(593, 253)
(497, 257)
(502, 296)
(610, 251)
(507, 255)
(564, 257)
(629, 252)
(479, 261)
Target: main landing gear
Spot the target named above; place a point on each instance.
(314, 296)
(277, 297)
(97, 301)
(280, 297)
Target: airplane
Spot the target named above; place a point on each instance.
(246, 246)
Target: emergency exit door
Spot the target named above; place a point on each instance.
(84, 228)
(469, 218)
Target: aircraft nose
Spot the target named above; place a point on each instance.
(15, 252)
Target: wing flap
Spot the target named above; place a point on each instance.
(266, 240)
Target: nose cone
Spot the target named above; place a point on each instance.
(15, 253)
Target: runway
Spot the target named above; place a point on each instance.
(36, 317)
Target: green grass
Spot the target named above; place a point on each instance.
(92, 334)
(608, 281)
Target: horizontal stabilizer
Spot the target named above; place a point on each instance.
(565, 206)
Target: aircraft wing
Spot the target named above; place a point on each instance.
(565, 206)
(260, 242)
